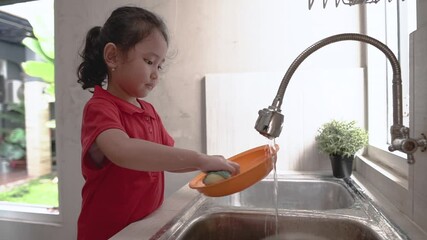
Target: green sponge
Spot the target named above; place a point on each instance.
(215, 177)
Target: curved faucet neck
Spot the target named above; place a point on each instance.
(397, 79)
(270, 120)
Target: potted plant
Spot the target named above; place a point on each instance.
(341, 140)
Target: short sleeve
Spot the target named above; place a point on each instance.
(98, 115)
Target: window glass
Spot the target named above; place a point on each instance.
(27, 142)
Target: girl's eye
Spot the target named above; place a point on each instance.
(148, 62)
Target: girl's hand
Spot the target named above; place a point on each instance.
(218, 163)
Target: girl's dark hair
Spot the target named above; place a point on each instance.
(125, 28)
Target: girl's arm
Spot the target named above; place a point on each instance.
(144, 155)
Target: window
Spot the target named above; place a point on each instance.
(391, 23)
(28, 182)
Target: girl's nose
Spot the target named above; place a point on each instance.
(154, 75)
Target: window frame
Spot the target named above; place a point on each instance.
(380, 23)
(31, 213)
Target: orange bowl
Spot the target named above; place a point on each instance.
(255, 164)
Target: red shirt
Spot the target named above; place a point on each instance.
(114, 197)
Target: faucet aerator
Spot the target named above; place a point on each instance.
(269, 123)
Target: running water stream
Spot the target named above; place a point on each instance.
(273, 154)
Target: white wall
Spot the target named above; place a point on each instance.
(206, 37)
(314, 96)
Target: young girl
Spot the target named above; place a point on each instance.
(125, 147)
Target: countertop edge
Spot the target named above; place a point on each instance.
(411, 229)
(147, 227)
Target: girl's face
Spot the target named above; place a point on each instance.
(137, 73)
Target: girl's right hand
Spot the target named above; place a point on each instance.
(218, 163)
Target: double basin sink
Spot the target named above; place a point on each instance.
(307, 207)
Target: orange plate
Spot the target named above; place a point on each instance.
(255, 164)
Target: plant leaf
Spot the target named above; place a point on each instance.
(43, 31)
(11, 151)
(34, 45)
(48, 46)
(43, 70)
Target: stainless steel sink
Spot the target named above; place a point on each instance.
(305, 194)
(309, 207)
(250, 226)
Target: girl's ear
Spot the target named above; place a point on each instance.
(111, 55)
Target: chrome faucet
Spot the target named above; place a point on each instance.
(270, 120)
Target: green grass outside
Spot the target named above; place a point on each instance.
(42, 191)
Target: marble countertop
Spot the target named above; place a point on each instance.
(146, 228)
